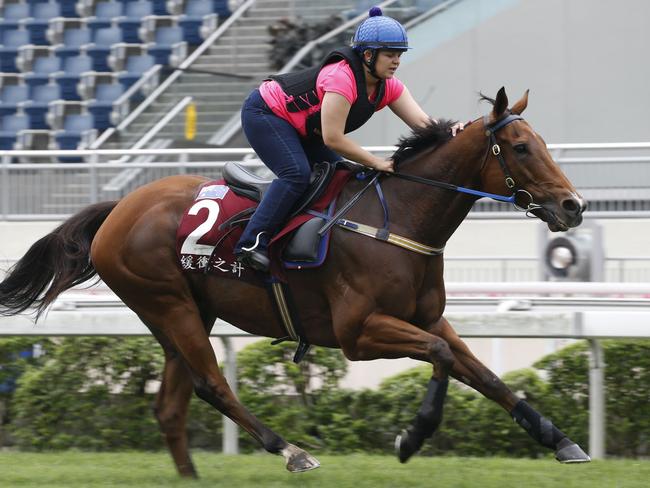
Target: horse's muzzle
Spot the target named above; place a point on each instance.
(563, 216)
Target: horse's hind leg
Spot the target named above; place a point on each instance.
(171, 408)
(468, 369)
(182, 325)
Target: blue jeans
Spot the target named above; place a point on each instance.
(285, 153)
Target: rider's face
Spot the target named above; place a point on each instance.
(387, 63)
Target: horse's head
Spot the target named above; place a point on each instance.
(519, 161)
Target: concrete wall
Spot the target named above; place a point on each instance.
(584, 61)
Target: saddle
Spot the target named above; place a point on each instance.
(249, 185)
(303, 247)
(306, 246)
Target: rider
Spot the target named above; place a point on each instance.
(295, 119)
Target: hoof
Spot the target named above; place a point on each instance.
(299, 460)
(570, 452)
(405, 446)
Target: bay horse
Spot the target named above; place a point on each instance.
(371, 299)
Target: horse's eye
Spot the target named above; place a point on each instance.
(521, 148)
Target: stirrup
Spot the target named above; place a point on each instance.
(256, 260)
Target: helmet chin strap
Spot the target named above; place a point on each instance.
(372, 62)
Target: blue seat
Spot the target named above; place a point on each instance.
(11, 96)
(69, 9)
(11, 40)
(74, 128)
(73, 67)
(130, 23)
(221, 8)
(102, 106)
(192, 19)
(160, 7)
(135, 67)
(41, 14)
(37, 107)
(101, 46)
(14, 13)
(73, 39)
(42, 68)
(164, 39)
(109, 9)
(105, 12)
(10, 126)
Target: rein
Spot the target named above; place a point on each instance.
(385, 235)
(496, 151)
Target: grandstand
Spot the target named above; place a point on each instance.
(70, 70)
(65, 64)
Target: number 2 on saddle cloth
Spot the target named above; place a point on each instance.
(212, 225)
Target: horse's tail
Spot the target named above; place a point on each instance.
(54, 263)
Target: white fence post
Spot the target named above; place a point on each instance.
(596, 401)
(230, 430)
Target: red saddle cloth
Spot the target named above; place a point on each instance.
(209, 230)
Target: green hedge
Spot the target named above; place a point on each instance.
(90, 393)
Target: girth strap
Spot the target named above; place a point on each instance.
(389, 237)
(287, 314)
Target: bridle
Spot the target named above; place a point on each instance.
(490, 131)
(495, 149)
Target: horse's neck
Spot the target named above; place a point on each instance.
(429, 214)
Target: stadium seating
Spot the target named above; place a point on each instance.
(60, 109)
(13, 13)
(76, 129)
(102, 106)
(11, 97)
(130, 22)
(73, 40)
(10, 126)
(12, 40)
(134, 67)
(63, 63)
(42, 68)
(193, 17)
(100, 48)
(36, 108)
(69, 77)
(39, 17)
(168, 40)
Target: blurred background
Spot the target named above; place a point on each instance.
(100, 97)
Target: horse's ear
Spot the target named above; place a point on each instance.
(521, 105)
(500, 104)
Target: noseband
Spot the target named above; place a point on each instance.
(490, 130)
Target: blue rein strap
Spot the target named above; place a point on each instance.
(490, 130)
(493, 196)
(449, 186)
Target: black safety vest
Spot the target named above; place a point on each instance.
(300, 86)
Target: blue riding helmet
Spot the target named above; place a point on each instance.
(379, 32)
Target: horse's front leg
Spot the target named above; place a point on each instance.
(385, 337)
(468, 369)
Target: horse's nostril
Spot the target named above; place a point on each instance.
(572, 206)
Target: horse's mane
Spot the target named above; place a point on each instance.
(485, 98)
(430, 136)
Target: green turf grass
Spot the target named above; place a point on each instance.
(81, 469)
